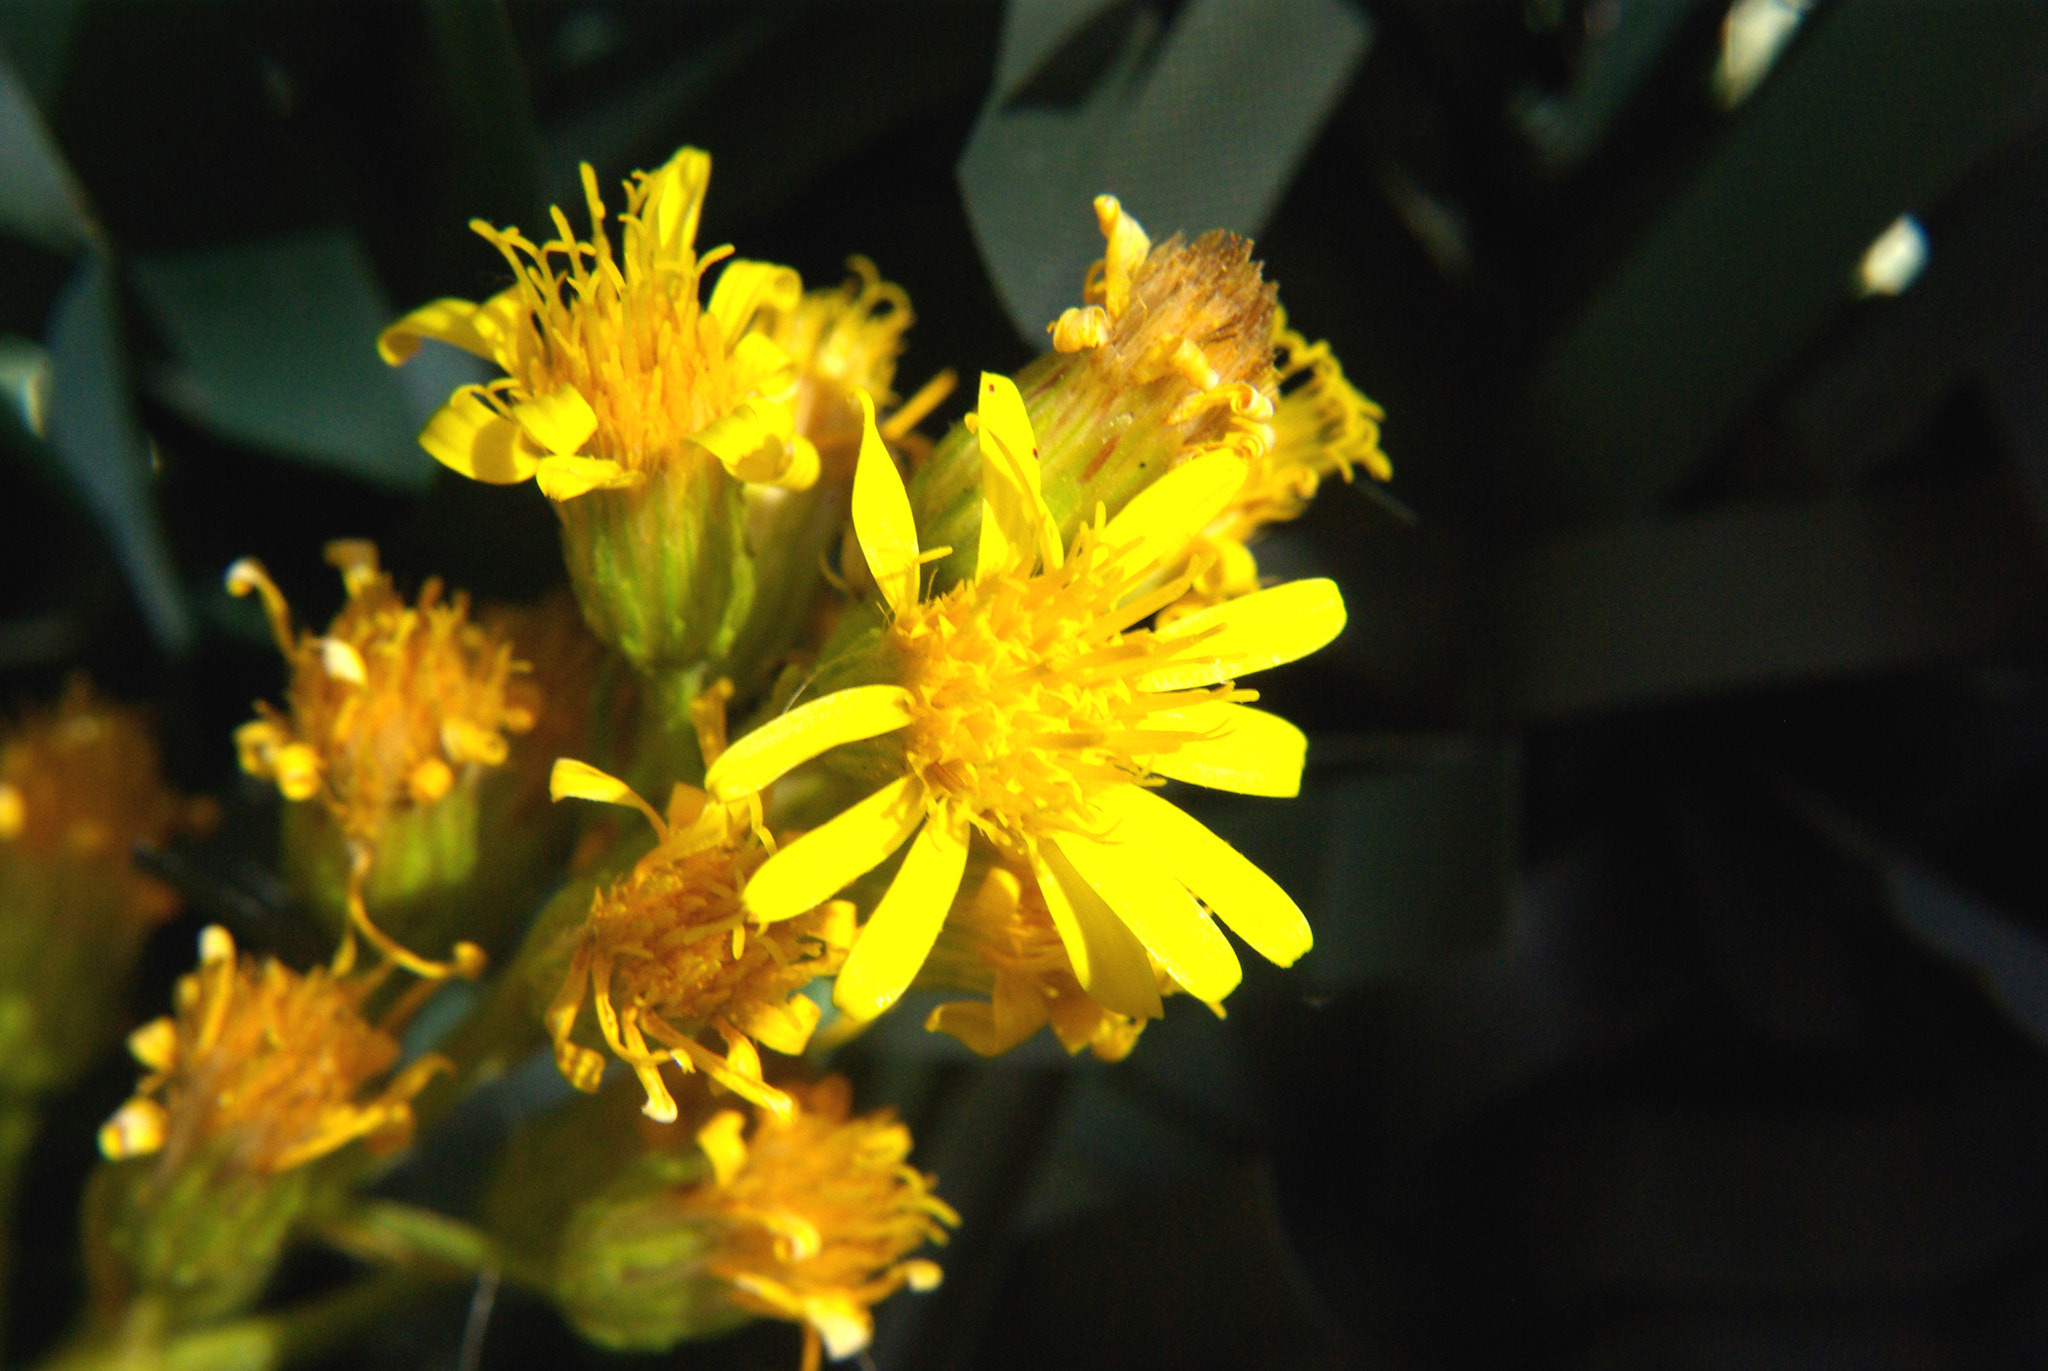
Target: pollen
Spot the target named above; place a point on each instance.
(278, 1067)
(816, 1214)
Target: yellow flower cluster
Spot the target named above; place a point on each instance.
(949, 763)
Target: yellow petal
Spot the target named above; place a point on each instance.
(761, 367)
(137, 1129)
(723, 1145)
(784, 1028)
(745, 288)
(1108, 959)
(895, 942)
(560, 422)
(1247, 750)
(1016, 528)
(845, 716)
(565, 478)
(574, 780)
(1246, 898)
(843, 1323)
(1162, 519)
(881, 515)
(1165, 917)
(675, 199)
(477, 328)
(468, 436)
(756, 441)
(1126, 248)
(819, 864)
(973, 1022)
(155, 1044)
(1230, 640)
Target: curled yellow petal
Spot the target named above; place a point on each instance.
(560, 421)
(468, 436)
(1164, 917)
(757, 442)
(745, 288)
(475, 328)
(1016, 528)
(564, 478)
(1108, 959)
(723, 1144)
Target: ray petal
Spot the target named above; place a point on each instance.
(1261, 630)
(1165, 917)
(895, 942)
(1246, 898)
(818, 865)
(1244, 750)
(845, 716)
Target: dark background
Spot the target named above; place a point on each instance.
(1675, 823)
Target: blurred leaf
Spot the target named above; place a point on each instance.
(39, 198)
(276, 347)
(2009, 959)
(1196, 128)
(95, 438)
(1399, 870)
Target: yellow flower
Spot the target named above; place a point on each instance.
(1321, 427)
(81, 784)
(1000, 941)
(614, 368)
(843, 341)
(79, 790)
(814, 1217)
(274, 1064)
(391, 709)
(1026, 705)
(667, 953)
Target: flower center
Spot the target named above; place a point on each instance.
(1026, 699)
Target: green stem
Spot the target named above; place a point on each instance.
(19, 1122)
(264, 1342)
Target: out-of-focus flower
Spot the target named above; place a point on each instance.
(272, 1064)
(816, 1215)
(846, 340)
(79, 788)
(1025, 704)
(1000, 942)
(392, 711)
(667, 953)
